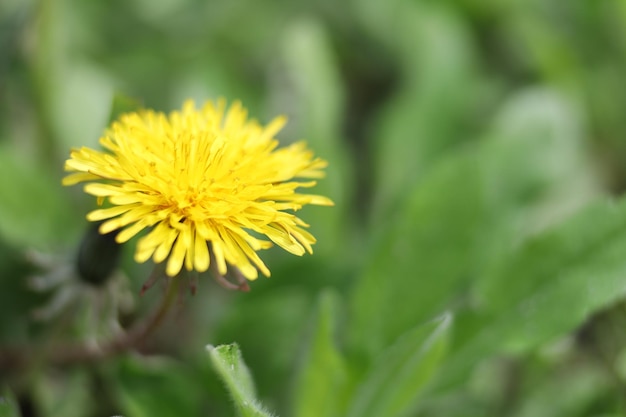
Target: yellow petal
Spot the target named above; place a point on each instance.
(78, 177)
(175, 261)
(201, 254)
(284, 240)
(218, 252)
(107, 213)
(165, 247)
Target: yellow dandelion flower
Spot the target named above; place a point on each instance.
(207, 183)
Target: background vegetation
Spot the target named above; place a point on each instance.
(474, 264)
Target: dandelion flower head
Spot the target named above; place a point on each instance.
(208, 184)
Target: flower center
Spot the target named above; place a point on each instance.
(188, 203)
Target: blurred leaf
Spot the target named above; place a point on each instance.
(550, 120)
(316, 104)
(229, 365)
(323, 377)
(33, 209)
(583, 384)
(203, 80)
(17, 301)
(459, 403)
(535, 169)
(155, 387)
(8, 404)
(427, 251)
(588, 243)
(432, 109)
(608, 415)
(123, 104)
(312, 68)
(378, 16)
(397, 378)
(78, 119)
(547, 47)
(550, 285)
(469, 210)
(65, 394)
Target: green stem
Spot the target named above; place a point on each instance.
(69, 354)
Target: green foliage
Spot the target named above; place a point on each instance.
(230, 366)
(400, 373)
(474, 263)
(66, 395)
(154, 387)
(321, 390)
(429, 113)
(311, 68)
(578, 265)
(123, 104)
(35, 211)
(8, 405)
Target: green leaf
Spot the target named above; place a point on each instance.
(549, 51)
(8, 404)
(324, 375)
(123, 104)
(229, 365)
(202, 79)
(154, 387)
(427, 250)
(17, 301)
(467, 212)
(316, 109)
(402, 371)
(64, 394)
(311, 63)
(549, 286)
(34, 210)
(75, 118)
(584, 385)
(428, 115)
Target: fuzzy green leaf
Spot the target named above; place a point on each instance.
(229, 365)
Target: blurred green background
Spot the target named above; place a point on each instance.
(474, 263)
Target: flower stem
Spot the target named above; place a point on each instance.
(70, 354)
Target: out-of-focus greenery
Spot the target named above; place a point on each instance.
(474, 263)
